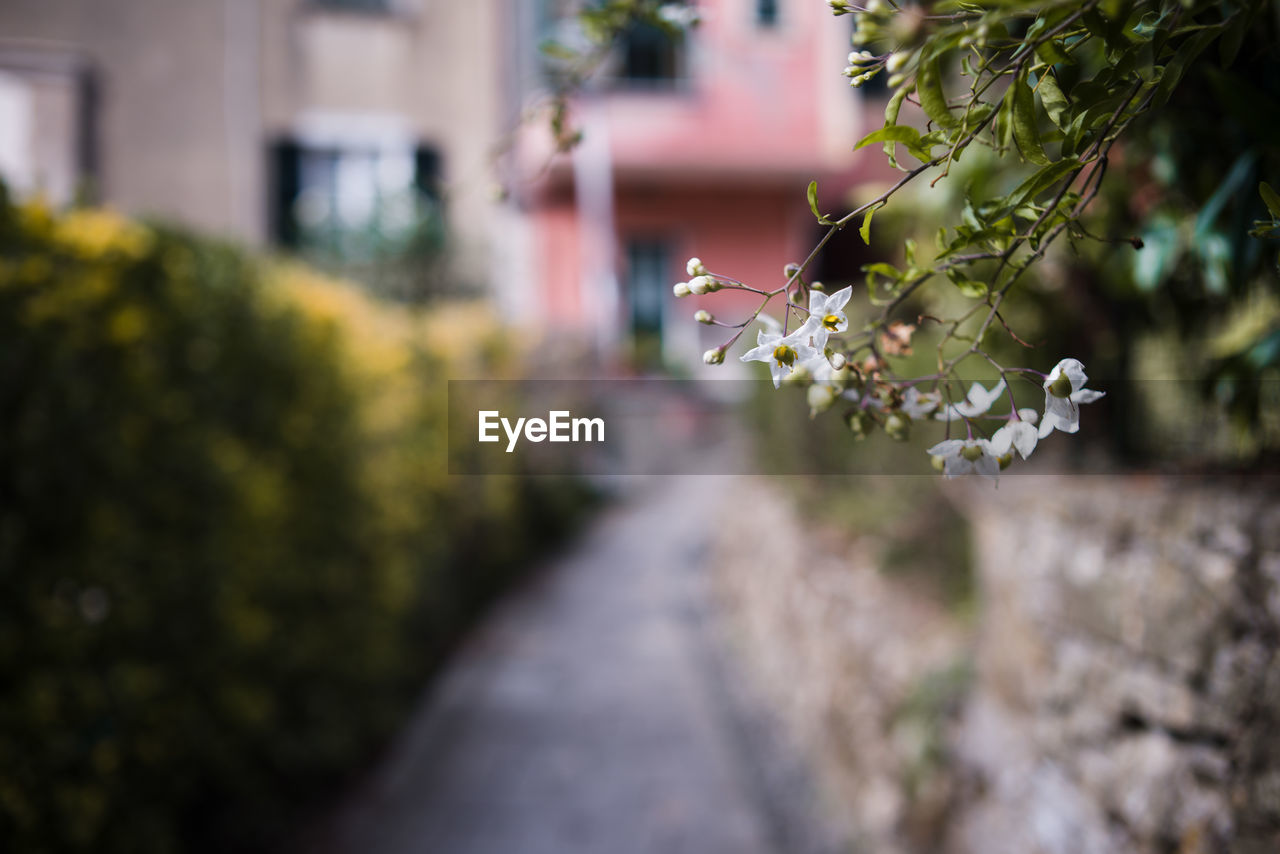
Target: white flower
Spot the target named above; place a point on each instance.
(1029, 415)
(978, 401)
(967, 456)
(679, 15)
(1016, 435)
(825, 316)
(783, 354)
(1064, 391)
(919, 405)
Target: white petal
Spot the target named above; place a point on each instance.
(1024, 437)
(1029, 415)
(839, 299)
(1002, 440)
(1062, 407)
(771, 324)
(947, 448)
(778, 372)
(982, 398)
(817, 303)
(1086, 395)
(763, 353)
(987, 467)
(842, 320)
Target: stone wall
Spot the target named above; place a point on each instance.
(840, 651)
(1126, 687)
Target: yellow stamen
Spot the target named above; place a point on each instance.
(831, 322)
(784, 355)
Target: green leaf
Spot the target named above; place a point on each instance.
(555, 50)
(1055, 103)
(1176, 67)
(892, 133)
(813, 204)
(968, 287)
(891, 111)
(1025, 133)
(932, 98)
(1270, 197)
(1029, 189)
(865, 230)
(1053, 53)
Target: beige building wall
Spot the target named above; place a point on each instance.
(191, 93)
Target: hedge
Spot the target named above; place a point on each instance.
(229, 551)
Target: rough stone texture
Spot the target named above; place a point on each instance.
(840, 651)
(1127, 677)
(1127, 650)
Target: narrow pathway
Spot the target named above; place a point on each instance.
(590, 713)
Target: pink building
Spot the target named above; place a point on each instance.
(699, 147)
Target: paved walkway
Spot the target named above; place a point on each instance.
(592, 713)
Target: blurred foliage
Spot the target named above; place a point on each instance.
(229, 548)
(912, 529)
(1168, 286)
(1199, 304)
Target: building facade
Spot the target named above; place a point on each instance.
(702, 146)
(267, 121)
(350, 123)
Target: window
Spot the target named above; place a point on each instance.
(648, 284)
(650, 56)
(355, 204)
(767, 13)
(47, 140)
(354, 5)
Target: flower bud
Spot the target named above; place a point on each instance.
(1061, 387)
(714, 357)
(895, 61)
(703, 316)
(799, 374)
(898, 426)
(838, 361)
(695, 268)
(681, 289)
(896, 80)
(820, 398)
(858, 422)
(698, 285)
(839, 7)
(791, 270)
(817, 286)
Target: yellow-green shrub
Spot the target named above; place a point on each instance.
(229, 550)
